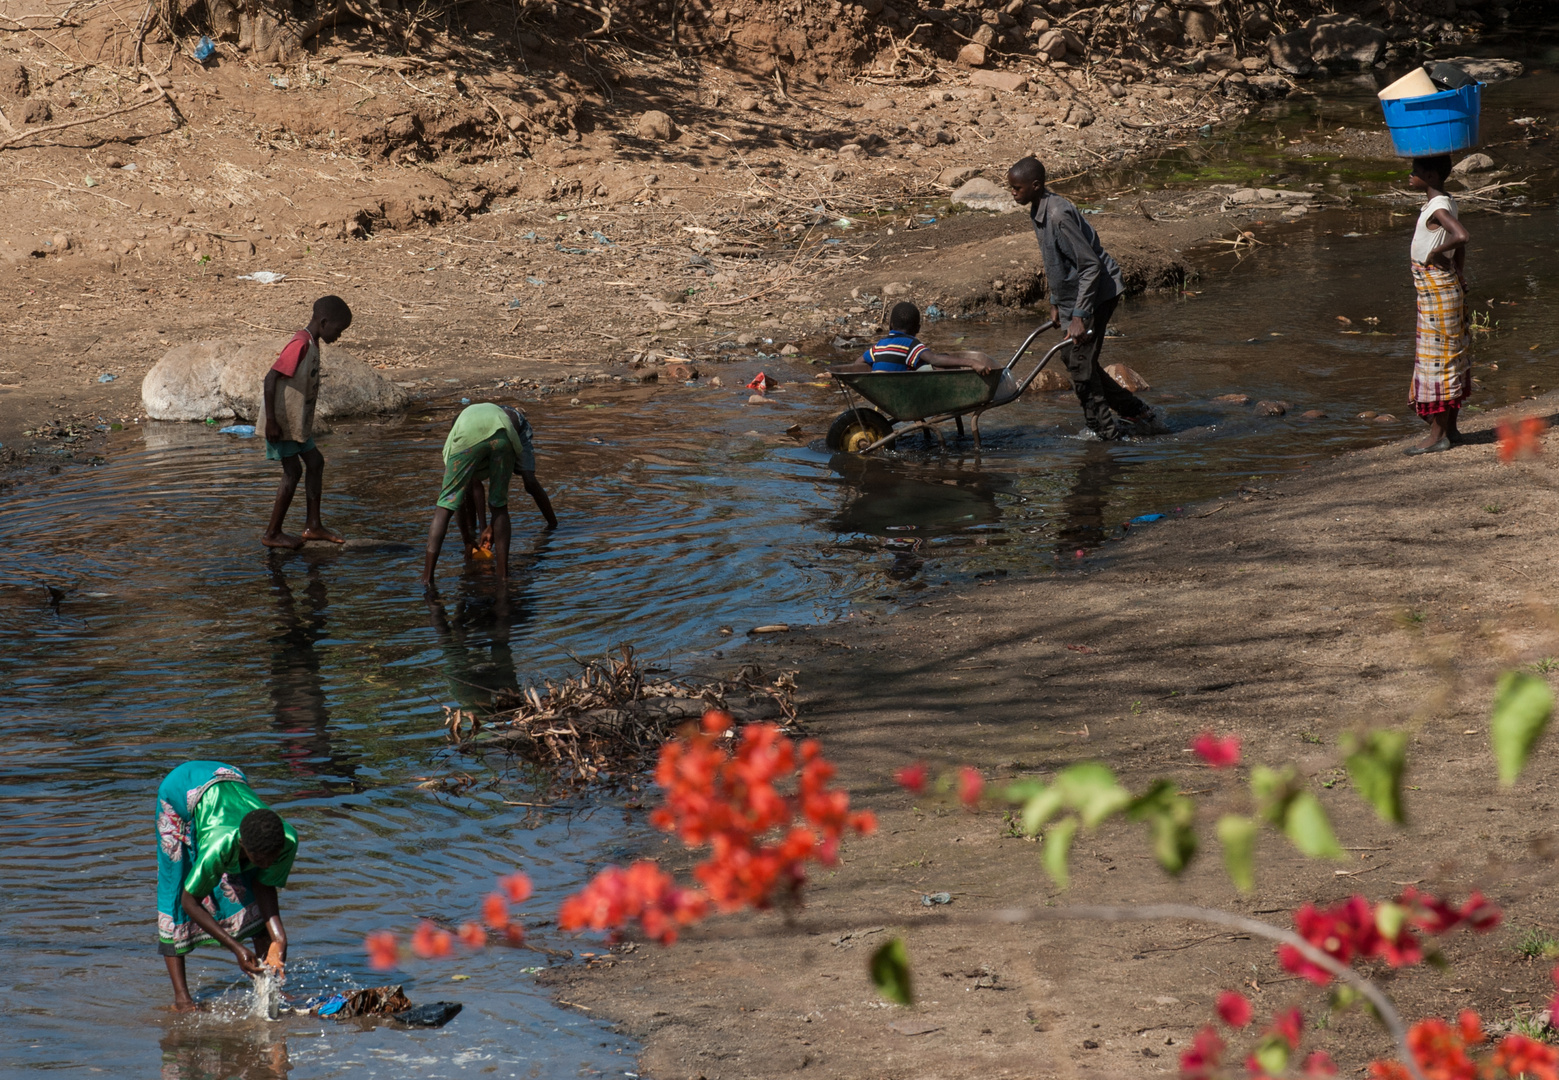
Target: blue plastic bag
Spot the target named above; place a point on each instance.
(205, 50)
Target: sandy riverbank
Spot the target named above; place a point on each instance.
(1377, 589)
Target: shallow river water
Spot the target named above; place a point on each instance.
(143, 625)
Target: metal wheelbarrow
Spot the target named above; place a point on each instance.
(923, 399)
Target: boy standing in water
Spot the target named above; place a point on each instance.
(1085, 284)
(487, 443)
(291, 390)
(1442, 377)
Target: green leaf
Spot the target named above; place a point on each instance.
(1171, 815)
(1523, 705)
(1040, 809)
(1272, 792)
(1375, 763)
(1091, 789)
(1272, 1056)
(890, 973)
(1389, 918)
(1057, 849)
(1305, 823)
(1237, 834)
(1021, 791)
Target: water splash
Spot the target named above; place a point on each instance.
(265, 1003)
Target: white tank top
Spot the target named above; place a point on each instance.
(1425, 237)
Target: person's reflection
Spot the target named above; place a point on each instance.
(1082, 509)
(296, 685)
(192, 1050)
(474, 637)
(897, 501)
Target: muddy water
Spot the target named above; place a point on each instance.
(143, 626)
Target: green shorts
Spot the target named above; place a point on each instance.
(493, 461)
(281, 451)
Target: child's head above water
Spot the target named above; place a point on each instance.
(904, 318)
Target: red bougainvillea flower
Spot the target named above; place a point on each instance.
(1344, 931)
(1288, 1025)
(1441, 1052)
(762, 805)
(970, 785)
(495, 911)
(1319, 1064)
(516, 887)
(1435, 916)
(1219, 753)
(1234, 1009)
(1518, 1055)
(514, 934)
(431, 943)
(1201, 1061)
(913, 777)
(1523, 440)
(472, 936)
(383, 952)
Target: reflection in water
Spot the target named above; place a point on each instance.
(892, 498)
(1083, 518)
(478, 662)
(295, 682)
(199, 1048)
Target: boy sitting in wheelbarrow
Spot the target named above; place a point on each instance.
(901, 350)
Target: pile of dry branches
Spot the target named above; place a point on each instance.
(612, 716)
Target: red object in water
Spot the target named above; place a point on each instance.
(762, 383)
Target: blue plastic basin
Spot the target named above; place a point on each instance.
(1435, 123)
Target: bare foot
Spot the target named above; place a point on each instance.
(184, 1005)
(281, 540)
(319, 532)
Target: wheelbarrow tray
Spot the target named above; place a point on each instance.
(916, 395)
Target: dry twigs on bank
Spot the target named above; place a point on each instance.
(613, 716)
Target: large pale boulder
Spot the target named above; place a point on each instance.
(982, 194)
(223, 379)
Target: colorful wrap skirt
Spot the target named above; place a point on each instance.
(232, 902)
(1442, 367)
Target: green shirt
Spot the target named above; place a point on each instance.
(216, 820)
(475, 425)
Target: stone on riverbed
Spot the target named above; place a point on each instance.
(982, 194)
(1127, 378)
(222, 379)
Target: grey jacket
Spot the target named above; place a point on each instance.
(1078, 272)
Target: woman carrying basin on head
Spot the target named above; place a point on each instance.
(221, 856)
(1442, 375)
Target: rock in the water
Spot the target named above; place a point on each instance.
(981, 194)
(679, 370)
(1233, 399)
(1291, 53)
(1271, 408)
(1052, 378)
(1009, 82)
(1127, 378)
(222, 379)
(1487, 70)
(1473, 163)
(657, 125)
(971, 56)
(1312, 414)
(1348, 43)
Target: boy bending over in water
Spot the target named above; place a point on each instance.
(487, 443)
(291, 390)
(221, 856)
(901, 350)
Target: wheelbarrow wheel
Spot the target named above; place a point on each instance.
(856, 429)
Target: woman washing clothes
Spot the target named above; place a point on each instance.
(221, 856)
(1442, 369)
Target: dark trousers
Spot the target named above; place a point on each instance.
(1102, 397)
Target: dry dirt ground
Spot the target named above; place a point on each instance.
(1377, 590)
